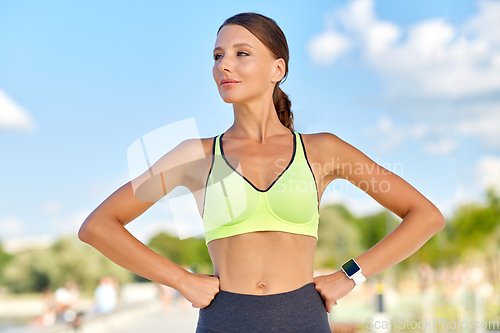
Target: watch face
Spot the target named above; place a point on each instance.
(350, 267)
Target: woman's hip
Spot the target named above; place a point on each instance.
(301, 310)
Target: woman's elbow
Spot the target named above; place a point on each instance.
(437, 219)
(85, 231)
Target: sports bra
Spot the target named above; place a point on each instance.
(234, 206)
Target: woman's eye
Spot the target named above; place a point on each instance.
(217, 55)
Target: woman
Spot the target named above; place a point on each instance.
(260, 206)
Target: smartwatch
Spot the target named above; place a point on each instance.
(353, 271)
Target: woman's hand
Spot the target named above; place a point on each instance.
(199, 289)
(333, 287)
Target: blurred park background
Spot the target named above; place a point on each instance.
(415, 85)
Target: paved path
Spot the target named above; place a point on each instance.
(177, 319)
(150, 318)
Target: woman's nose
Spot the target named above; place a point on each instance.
(224, 64)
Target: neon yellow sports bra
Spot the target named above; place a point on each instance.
(233, 205)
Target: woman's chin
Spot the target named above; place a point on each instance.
(231, 99)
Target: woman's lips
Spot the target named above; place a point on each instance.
(228, 84)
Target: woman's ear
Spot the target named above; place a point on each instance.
(279, 70)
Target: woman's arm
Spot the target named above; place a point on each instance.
(104, 229)
(421, 218)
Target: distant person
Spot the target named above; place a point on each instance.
(49, 313)
(66, 299)
(264, 183)
(106, 296)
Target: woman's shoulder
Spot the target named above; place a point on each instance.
(193, 143)
(319, 139)
(326, 145)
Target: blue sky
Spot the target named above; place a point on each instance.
(414, 86)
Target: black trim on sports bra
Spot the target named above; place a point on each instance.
(305, 155)
(208, 177)
(270, 186)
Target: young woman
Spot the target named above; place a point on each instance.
(260, 207)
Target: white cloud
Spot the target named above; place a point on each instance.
(430, 68)
(11, 226)
(51, 207)
(418, 131)
(13, 116)
(327, 47)
(389, 136)
(392, 137)
(443, 146)
(435, 59)
(485, 123)
(62, 225)
(471, 184)
(357, 15)
(488, 172)
(483, 23)
(381, 37)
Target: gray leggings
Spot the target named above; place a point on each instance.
(299, 311)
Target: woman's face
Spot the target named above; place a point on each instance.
(241, 56)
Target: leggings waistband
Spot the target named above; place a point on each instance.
(305, 289)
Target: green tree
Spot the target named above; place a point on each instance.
(190, 252)
(474, 227)
(338, 237)
(67, 259)
(4, 260)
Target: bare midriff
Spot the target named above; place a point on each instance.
(263, 262)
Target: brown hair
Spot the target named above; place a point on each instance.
(270, 34)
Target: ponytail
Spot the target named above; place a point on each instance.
(283, 105)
